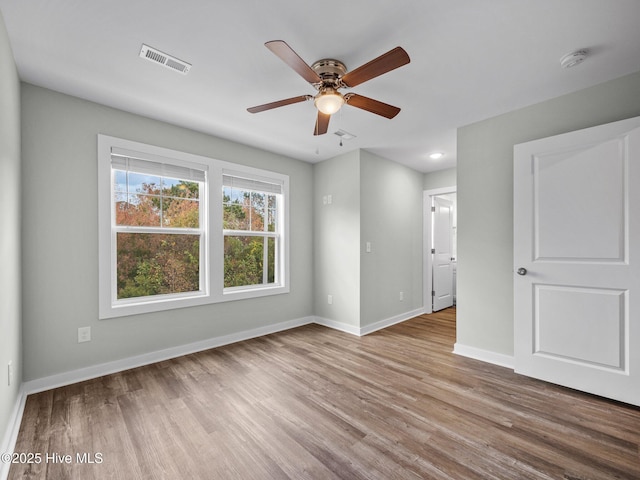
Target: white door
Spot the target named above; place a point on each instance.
(443, 253)
(577, 260)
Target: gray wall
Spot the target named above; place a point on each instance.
(391, 219)
(337, 238)
(10, 213)
(485, 200)
(60, 239)
(375, 200)
(439, 179)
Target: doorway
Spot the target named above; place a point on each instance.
(440, 257)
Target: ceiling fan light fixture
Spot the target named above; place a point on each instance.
(328, 101)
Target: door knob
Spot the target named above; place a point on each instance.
(521, 271)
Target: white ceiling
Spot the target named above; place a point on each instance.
(470, 60)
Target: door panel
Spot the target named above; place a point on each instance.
(560, 331)
(586, 186)
(577, 237)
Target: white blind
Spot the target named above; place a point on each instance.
(160, 166)
(251, 184)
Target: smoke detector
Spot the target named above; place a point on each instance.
(574, 58)
(164, 59)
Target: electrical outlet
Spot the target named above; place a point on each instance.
(329, 199)
(84, 334)
(324, 199)
(330, 299)
(367, 247)
(401, 296)
(10, 373)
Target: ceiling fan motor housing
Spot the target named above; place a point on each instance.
(329, 70)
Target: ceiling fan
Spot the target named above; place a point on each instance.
(328, 76)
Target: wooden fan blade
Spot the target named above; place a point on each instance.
(280, 103)
(322, 123)
(291, 58)
(371, 105)
(384, 63)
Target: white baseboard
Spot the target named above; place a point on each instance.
(361, 331)
(390, 321)
(87, 373)
(484, 355)
(11, 435)
(343, 327)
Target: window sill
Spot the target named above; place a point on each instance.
(159, 304)
(171, 302)
(241, 293)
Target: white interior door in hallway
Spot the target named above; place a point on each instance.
(442, 253)
(577, 260)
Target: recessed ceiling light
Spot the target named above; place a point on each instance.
(436, 155)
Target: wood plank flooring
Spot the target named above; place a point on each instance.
(314, 403)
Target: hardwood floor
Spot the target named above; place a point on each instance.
(314, 403)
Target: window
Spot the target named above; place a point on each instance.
(252, 233)
(166, 241)
(157, 226)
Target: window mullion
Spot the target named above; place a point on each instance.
(249, 233)
(157, 230)
(161, 202)
(265, 241)
(265, 260)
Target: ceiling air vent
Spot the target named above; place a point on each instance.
(156, 56)
(344, 135)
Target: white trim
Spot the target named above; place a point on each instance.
(94, 371)
(441, 191)
(427, 279)
(343, 327)
(367, 329)
(8, 444)
(499, 359)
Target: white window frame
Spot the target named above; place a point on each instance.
(278, 234)
(212, 248)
